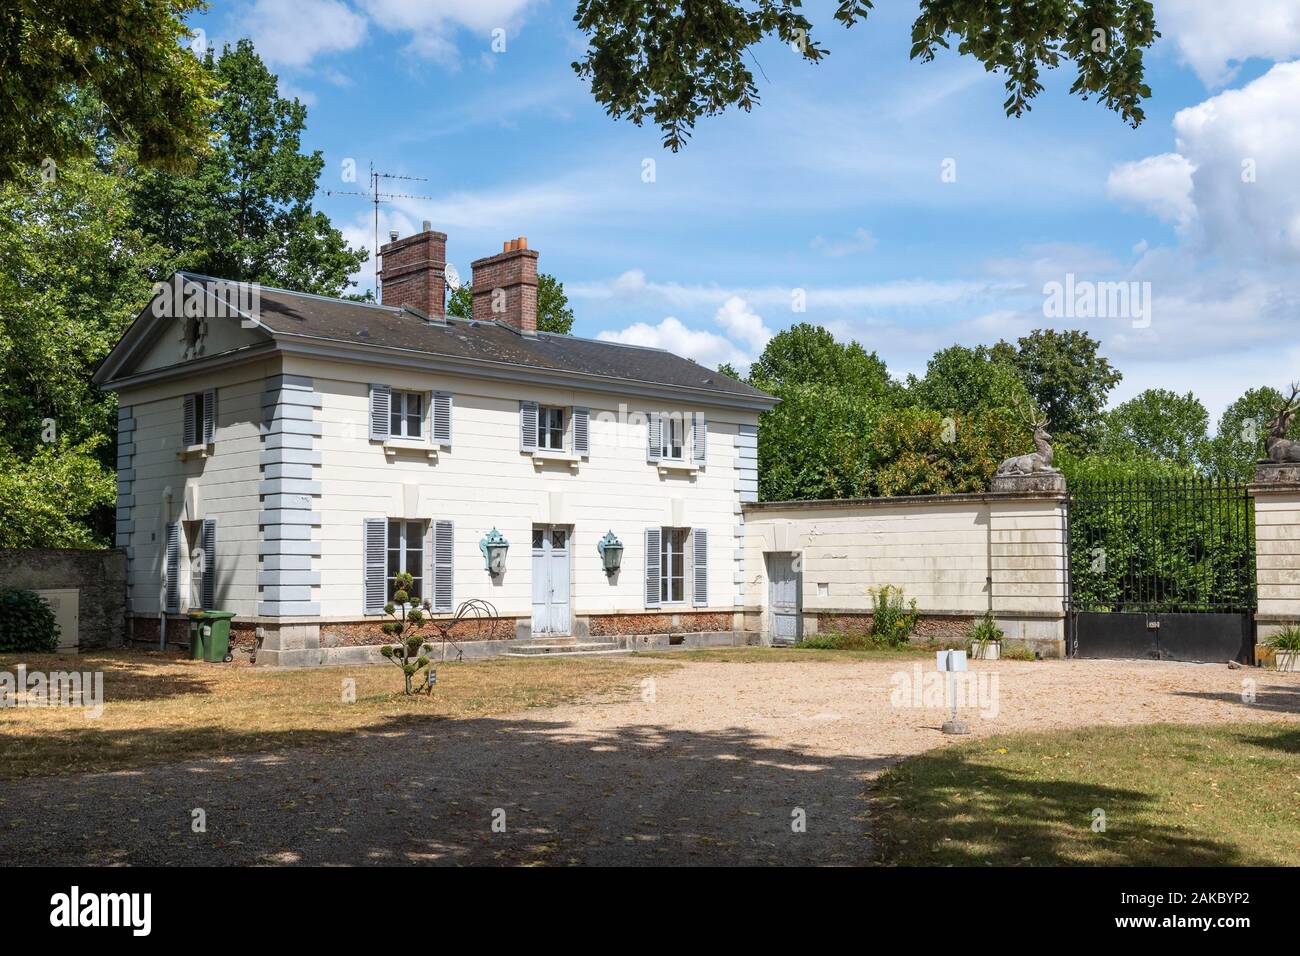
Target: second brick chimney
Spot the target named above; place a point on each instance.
(505, 287)
(414, 273)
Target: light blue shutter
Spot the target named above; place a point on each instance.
(208, 544)
(173, 558)
(442, 419)
(581, 444)
(700, 559)
(700, 439)
(209, 415)
(654, 435)
(653, 542)
(374, 557)
(190, 438)
(444, 552)
(528, 426)
(381, 400)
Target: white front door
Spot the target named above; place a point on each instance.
(550, 580)
(783, 598)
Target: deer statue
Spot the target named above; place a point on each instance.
(1038, 462)
(1280, 448)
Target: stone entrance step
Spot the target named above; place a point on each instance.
(565, 648)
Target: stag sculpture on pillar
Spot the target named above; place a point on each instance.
(1032, 472)
(1281, 449)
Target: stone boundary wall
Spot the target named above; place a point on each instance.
(99, 576)
(957, 555)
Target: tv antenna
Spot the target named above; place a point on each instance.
(376, 197)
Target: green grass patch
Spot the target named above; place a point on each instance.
(1172, 796)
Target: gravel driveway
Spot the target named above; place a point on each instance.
(719, 767)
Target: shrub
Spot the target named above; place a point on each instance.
(892, 623)
(1287, 639)
(822, 642)
(1017, 652)
(984, 631)
(26, 623)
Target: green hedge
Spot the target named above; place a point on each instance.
(26, 624)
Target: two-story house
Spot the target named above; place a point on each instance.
(284, 456)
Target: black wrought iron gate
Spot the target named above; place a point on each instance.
(1161, 568)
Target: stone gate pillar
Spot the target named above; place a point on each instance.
(1027, 560)
(1276, 491)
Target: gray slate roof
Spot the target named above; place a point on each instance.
(342, 320)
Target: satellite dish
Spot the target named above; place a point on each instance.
(453, 277)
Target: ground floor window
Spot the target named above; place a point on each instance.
(406, 555)
(672, 565)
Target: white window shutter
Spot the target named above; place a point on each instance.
(700, 559)
(700, 438)
(581, 441)
(173, 592)
(528, 426)
(654, 435)
(442, 419)
(653, 542)
(209, 415)
(208, 544)
(374, 560)
(190, 438)
(381, 401)
(444, 553)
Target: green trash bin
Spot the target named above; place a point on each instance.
(210, 635)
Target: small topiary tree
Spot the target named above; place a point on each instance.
(407, 619)
(27, 624)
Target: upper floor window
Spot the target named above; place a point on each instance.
(406, 415)
(199, 420)
(674, 437)
(550, 427)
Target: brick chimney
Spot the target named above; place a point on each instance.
(505, 287)
(413, 272)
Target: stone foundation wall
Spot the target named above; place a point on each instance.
(929, 629)
(615, 625)
(365, 633)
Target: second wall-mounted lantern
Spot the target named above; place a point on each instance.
(611, 553)
(494, 547)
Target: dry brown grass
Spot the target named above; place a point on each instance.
(158, 707)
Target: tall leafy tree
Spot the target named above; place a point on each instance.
(963, 380)
(73, 274)
(1239, 441)
(673, 63)
(246, 211)
(128, 55)
(918, 451)
(1157, 424)
(553, 311)
(809, 354)
(1067, 377)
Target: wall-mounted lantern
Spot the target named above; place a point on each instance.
(494, 546)
(611, 553)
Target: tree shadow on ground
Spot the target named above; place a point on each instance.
(136, 678)
(479, 791)
(943, 808)
(1276, 698)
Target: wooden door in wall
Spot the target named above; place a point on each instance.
(783, 598)
(550, 580)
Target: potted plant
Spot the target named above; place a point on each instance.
(985, 639)
(1286, 648)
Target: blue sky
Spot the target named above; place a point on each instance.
(834, 184)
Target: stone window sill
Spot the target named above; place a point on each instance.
(393, 445)
(668, 464)
(543, 455)
(195, 451)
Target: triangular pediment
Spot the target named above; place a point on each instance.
(189, 319)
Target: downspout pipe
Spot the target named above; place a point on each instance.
(164, 515)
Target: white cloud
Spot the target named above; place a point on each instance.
(434, 24)
(1214, 38)
(1162, 184)
(861, 241)
(743, 323)
(1232, 176)
(295, 32)
(707, 348)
